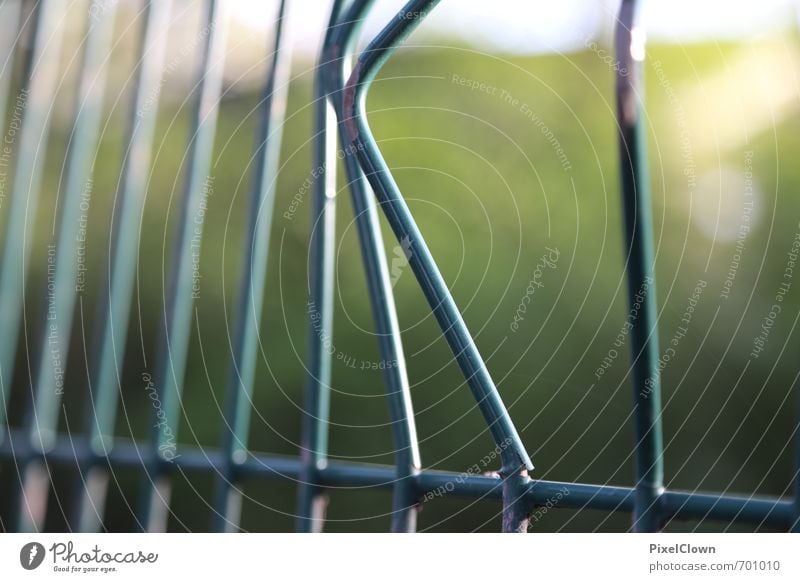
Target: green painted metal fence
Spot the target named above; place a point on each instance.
(341, 86)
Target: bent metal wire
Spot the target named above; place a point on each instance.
(341, 89)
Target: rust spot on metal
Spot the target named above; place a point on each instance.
(350, 89)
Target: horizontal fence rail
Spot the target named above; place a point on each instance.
(340, 123)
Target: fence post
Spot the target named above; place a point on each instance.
(117, 290)
(175, 327)
(387, 327)
(314, 445)
(639, 263)
(34, 113)
(227, 501)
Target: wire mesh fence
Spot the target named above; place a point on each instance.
(340, 132)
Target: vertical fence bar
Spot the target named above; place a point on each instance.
(10, 33)
(9, 39)
(387, 327)
(62, 287)
(34, 113)
(515, 460)
(796, 525)
(314, 439)
(227, 502)
(630, 47)
(176, 328)
(59, 305)
(114, 315)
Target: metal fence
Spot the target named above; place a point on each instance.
(342, 82)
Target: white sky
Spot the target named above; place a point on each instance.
(535, 26)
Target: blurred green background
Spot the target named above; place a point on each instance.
(490, 192)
